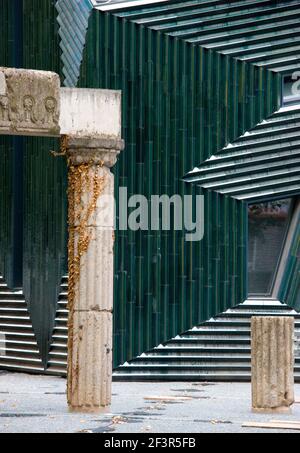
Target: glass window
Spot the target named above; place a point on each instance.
(268, 224)
(291, 89)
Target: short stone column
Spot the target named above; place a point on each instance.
(272, 346)
(90, 296)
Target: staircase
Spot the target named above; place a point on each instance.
(18, 346)
(57, 364)
(217, 350)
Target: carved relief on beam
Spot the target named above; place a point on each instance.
(29, 102)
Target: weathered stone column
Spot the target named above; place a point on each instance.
(91, 238)
(272, 363)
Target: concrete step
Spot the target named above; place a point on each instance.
(16, 359)
(13, 303)
(4, 288)
(218, 349)
(56, 371)
(60, 329)
(18, 346)
(187, 341)
(198, 377)
(62, 304)
(8, 351)
(243, 324)
(255, 312)
(59, 338)
(61, 322)
(15, 327)
(199, 350)
(60, 355)
(59, 345)
(259, 309)
(9, 295)
(62, 313)
(13, 312)
(15, 319)
(158, 360)
(22, 343)
(216, 330)
(20, 367)
(57, 362)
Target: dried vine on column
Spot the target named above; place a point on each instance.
(80, 183)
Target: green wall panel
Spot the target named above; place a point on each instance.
(6, 246)
(44, 186)
(44, 176)
(6, 150)
(40, 37)
(45, 220)
(181, 103)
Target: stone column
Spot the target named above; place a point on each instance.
(90, 297)
(272, 345)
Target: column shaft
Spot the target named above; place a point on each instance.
(272, 363)
(90, 297)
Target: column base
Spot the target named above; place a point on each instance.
(90, 410)
(274, 410)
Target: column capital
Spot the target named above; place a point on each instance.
(93, 150)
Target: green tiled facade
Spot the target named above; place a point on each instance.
(195, 77)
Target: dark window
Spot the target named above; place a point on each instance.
(268, 224)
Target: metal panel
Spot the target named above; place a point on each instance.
(73, 20)
(7, 58)
(189, 89)
(181, 102)
(44, 188)
(6, 236)
(265, 162)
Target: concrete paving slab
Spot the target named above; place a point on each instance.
(37, 404)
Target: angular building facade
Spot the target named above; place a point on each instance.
(211, 107)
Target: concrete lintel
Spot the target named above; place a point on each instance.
(33, 103)
(29, 102)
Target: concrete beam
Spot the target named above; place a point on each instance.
(33, 103)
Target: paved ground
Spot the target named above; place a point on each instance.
(37, 404)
